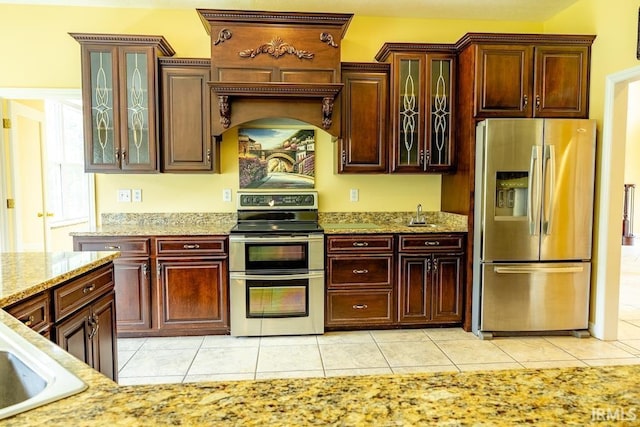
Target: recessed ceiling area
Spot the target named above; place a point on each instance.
(500, 10)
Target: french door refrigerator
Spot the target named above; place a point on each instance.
(533, 214)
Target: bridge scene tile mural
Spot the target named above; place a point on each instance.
(276, 158)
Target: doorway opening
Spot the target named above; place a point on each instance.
(45, 192)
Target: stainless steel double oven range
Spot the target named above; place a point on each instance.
(276, 265)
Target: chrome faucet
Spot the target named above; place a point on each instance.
(419, 219)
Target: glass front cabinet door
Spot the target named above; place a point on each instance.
(119, 84)
(422, 106)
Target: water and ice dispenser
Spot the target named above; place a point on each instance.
(512, 193)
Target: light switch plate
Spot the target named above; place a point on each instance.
(124, 195)
(353, 195)
(226, 195)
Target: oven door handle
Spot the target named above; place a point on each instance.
(279, 239)
(309, 275)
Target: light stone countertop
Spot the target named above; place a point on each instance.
(23, 274)
(208, 224)
(548, 397)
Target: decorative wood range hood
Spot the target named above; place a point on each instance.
(274, 65)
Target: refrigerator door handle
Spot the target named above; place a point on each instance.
(534, 183)
(533, 269)
(550, 160)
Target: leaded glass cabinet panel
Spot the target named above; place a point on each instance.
(440, 75)
(138, 92)
(101, 118)
(409, 149)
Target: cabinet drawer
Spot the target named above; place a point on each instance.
(127, 246)
(77, 293)
(435, 242)
(364, 243)
(189, 246)
(359, 307)
(34, 312)
(363, 271)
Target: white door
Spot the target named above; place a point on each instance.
(26, 153)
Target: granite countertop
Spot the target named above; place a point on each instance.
(560, 396)
(23, 274)
(207, 224)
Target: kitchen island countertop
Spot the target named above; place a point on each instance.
(560, 396)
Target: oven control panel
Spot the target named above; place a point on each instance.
(289, 200)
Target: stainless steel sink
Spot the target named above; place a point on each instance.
(421, 224)
(29, 377)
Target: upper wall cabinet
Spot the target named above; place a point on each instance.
(119, 95)
(523, 75)
(275, 64)
(186, 142)
(422, 100)
(363, 147)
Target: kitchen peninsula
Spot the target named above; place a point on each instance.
(560, 396)
(551, 396)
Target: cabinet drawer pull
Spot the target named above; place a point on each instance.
(360, 306)
(29, 321)
(89, 288)
(428, 243)
(112, 247)
(193, 246)
(363, 271)
(360, 244)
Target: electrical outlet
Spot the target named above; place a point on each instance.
(136, 195)
(226, 195)
(353, 194)
(124, 195)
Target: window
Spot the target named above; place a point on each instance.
(69, 190)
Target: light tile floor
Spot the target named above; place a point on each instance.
(211, 358)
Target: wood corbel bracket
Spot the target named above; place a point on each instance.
(225, 92)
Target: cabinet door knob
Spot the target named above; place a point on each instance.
(360, 244)
(193, 246)
(89, 288)
(525, 101)
(360, 306)
(363, 271)
(29, 321)
(431, 243)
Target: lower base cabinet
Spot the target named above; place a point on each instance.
(370, 283)
(430, 286)
(192, 296)
(90, 335)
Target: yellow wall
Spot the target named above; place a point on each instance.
(46, 56)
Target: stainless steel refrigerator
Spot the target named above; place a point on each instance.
(533, 217)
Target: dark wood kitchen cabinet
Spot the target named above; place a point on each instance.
(191, 288)
(359, 281)
(430, 270)
(528, 75)
(422, 102)
(364, 145)
(34, 312)
(119, 98)
(185, 99)
(132, 278)
(84, 313)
